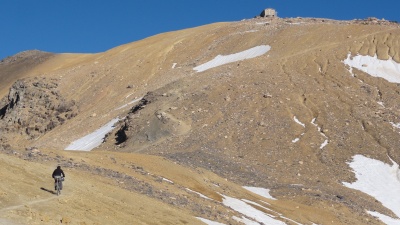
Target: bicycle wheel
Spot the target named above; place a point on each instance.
(58, 187)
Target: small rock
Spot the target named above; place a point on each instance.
(267, 96)
(65, 220)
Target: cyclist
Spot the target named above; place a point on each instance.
(58, 173)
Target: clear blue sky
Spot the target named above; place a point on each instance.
(89, 26)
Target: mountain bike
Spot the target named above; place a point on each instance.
(58, 184)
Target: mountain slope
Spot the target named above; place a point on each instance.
(289, 120)
(294, 116)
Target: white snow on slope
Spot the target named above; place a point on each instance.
(169, 181)
(326, 142)
(260, 191)
(200, 194)
(387, 69)
(129, 103)
(302, 124)
(93, 139)
(250, 212)
(295, 140)
(380, 181)
(386, 219)
(395, 125)
(298, 121)
(225, 59)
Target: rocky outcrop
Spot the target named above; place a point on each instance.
(33, 107)
(157, 126)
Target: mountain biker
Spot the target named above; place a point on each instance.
(59, 173)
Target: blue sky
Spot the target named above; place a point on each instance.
(90, 26)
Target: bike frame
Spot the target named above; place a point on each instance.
(58, 184)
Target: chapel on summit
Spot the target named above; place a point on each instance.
(269, 12)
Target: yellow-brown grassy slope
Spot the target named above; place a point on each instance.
(125, 188)
(239, 120)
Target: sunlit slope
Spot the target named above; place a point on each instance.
(290, 119)
(112, 79)
(18, 66)
(101, 83)
(28, 198)
(104, 187)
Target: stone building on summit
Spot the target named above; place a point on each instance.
(269, 12)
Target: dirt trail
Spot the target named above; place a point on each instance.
(27, 204)
(85, 199)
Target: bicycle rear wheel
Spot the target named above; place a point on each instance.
(58, 187)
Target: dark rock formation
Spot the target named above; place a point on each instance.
(34, 106)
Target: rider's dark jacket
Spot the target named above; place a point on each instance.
(58, 172)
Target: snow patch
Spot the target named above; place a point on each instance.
(93, 139)
(380, 181)
(129, 103)
(386, 69)
(250, 212)
(295, 140)
(302, 124)
(386, 219)
(395, 125)
(222, 60)
(313, 122)
(169, 181)
(297, 121)
(324, 144)
(260, 191)
(200, 194)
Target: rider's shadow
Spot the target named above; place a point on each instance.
(50, 191)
